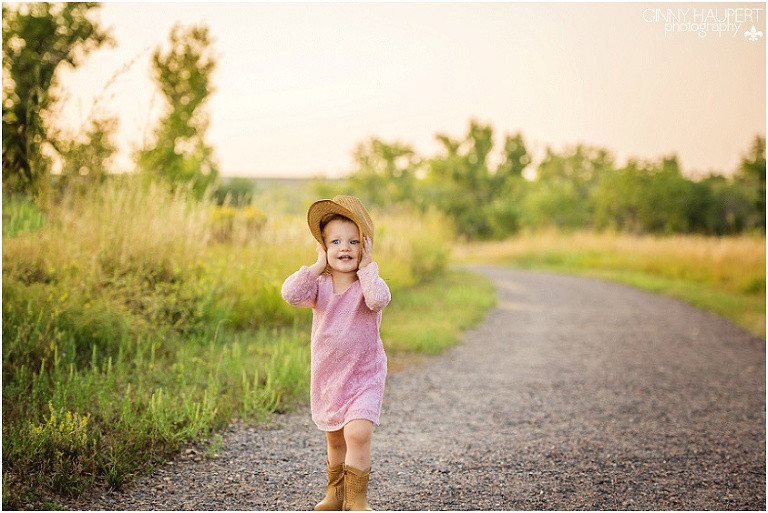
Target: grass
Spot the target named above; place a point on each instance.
(136, 321)
(723, 275)
(20, 215)
(429, 318)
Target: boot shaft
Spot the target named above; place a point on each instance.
(356, 489)
(334, 496)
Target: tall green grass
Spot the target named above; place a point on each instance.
(725, 275)
(20, 215)
(135, 322)
(430, 318)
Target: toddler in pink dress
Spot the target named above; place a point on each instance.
(349, 367)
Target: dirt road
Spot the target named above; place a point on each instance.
(573, 394)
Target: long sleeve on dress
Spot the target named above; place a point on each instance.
(375, 290)
(300, 288)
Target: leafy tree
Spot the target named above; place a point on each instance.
(554, 203)
(583, 165)
(646, 197)
(751, 175)
(37, 38)
(560, 195)
(516, 159)
(728, 208)
(503, 210)
(386, 173)
(179, 153)
(86, 161)
(482, 200)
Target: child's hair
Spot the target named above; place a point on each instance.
(333, 217)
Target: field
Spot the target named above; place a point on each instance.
(136, 321)
(724, 275)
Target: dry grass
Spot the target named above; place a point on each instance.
(722, 274)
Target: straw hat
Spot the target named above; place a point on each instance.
(347, 206)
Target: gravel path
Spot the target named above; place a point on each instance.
(573, 394)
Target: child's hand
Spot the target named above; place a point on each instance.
(367, 257)
(322, 260)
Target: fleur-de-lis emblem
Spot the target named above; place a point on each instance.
(753, 35)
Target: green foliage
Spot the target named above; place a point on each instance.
(179, 154)
(87, 159)
(430, 318)
(461, 180)
(559, 197)
(64, 447)
(477, 197)
(130, 328)
(386, 173)
(554, 203)
(37, 38)
(644, 198)
(654, 197)
(752, 176)
(579, 187)
(20, 215)
(235, 192)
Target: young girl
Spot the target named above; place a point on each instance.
(349, 366)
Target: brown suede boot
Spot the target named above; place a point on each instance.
(334, 497)
(356, 489)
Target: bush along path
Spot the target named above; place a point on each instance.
(573, 394)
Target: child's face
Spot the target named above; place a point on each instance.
(342, 238)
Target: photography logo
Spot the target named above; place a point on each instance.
(753, 35)
(706, 21)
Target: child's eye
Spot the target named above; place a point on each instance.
(355, 242)
(336, 241)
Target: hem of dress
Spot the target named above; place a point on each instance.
(354, 416)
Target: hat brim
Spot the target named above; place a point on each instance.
(323, 208)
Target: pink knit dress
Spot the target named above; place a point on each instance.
(349, 366)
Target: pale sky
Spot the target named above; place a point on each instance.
(299, 85)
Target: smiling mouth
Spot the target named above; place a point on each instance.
(345, 258)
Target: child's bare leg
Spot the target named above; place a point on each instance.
(357, 435)
(337, 447)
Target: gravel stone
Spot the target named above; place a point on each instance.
(574, 394)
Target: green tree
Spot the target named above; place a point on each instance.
(86, 160)
(560, 195)
(387, 173)
(37, 38)
(751, 175)
(480, 198)
(554, 203)
(647, 197)
(516, 159)
(581, 164)
(179, 153)
(728, 208)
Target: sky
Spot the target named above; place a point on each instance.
(299, 85)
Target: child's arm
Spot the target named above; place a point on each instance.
(300, 288)
(375, 290)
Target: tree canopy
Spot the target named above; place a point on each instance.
(37, 39)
